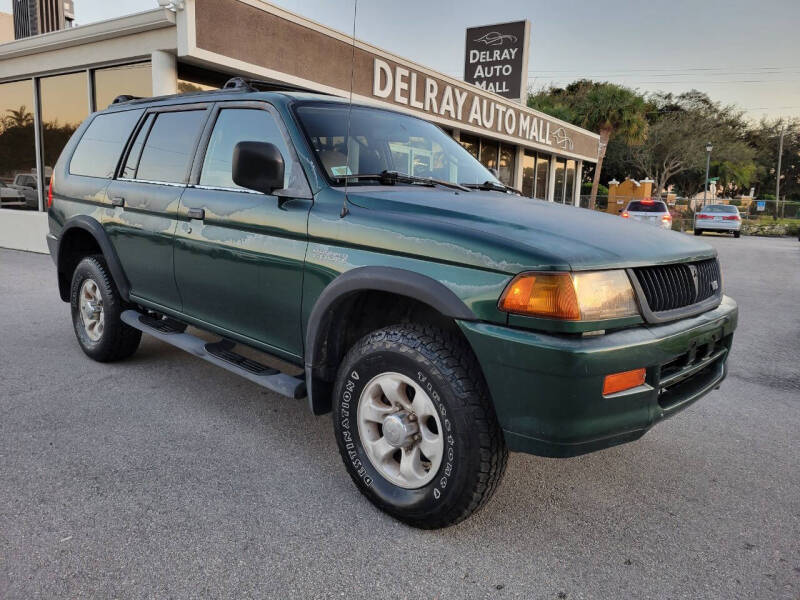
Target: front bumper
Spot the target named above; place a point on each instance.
(547, 389)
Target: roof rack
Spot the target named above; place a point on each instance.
(258, 85)
(125, 98)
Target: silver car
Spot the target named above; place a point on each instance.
(11, 198)
(723, 218)
(652, 212)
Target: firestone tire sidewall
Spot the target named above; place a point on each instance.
(459, 463)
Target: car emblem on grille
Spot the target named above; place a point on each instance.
(695, 279)
(714, 285)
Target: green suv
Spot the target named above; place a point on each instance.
(441, 317)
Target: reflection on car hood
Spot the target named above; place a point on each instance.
(519, 232)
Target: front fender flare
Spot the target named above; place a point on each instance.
(361, 279)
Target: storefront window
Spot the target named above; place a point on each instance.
(569, 188)
(542, 176)
(506, 168)
(17, 147)
(65, 105)
(471, 143)
(135, 80)
(489, 154)
(558, 193)
(528, 173)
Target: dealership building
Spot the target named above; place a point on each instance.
(49, 83)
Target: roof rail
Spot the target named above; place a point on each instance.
(125, 98)
(258, 85)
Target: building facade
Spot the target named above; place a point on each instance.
(50, 83)
(33, 17)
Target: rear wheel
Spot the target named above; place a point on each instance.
(736, 234)
(415, 425)
(96, 308)
(698, 231)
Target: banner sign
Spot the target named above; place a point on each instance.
(496, 58)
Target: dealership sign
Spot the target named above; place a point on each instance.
(497, 58)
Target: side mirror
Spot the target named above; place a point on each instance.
(258, 166)
(495, 172)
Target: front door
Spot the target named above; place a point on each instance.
(239, 254)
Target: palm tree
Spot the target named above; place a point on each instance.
(611, 110)
(20, 117)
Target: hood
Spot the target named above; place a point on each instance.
(510, 233)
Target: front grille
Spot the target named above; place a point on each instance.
(670, 287)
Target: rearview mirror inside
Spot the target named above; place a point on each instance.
(258, 166)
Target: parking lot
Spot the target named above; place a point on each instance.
(164, 477)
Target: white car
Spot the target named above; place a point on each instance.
(718, 217)
(652, 212)
(11, 198)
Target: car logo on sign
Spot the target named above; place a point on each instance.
(495, 38)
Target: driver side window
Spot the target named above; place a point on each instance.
(236, 125)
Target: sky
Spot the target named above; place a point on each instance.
(743, 52)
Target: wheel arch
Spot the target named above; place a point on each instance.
(324, 342)
(81, 236)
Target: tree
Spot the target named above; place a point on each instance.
(609, 109)
(680, 128)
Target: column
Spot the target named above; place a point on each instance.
(518, 158)
(578, 176)
(551, 180)
(165, 73)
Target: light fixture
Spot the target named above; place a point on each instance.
(173, 5)
(709, 147)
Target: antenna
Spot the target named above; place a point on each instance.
(345, 210)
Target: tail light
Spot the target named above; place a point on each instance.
(702, 216)
(50, 192)
(732, 218)
(666, 218)
(625, 215)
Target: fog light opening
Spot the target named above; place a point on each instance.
(619, 382)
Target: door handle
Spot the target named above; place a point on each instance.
(118, 201)
(197, 213)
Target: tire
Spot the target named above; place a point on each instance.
(445, 376)
(101, 333)
(736, 234)
(698, 231)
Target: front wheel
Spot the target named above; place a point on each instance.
(416, 427)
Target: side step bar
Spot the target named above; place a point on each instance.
(219, 353)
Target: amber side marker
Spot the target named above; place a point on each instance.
(619, 382)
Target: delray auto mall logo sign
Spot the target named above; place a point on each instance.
(495, 58)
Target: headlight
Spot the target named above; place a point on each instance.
(587, 296)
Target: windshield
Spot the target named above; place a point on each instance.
(381, 140)
(651, 207)
(720, 208)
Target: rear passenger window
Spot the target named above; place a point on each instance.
(170, 146)
(236, 125)
(100, 147)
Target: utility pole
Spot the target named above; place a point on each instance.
(709, 148)
(778, 172)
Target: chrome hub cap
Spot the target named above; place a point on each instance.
(400, 430)
(91, 309)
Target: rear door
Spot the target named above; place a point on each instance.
(146, 197)
(239, 254)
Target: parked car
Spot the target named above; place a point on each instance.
(11, 198)
(27, 184)
(652, 212)
(722, 218)
(444, 322)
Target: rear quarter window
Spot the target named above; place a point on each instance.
(102, 144)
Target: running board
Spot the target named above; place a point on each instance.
(219, 353)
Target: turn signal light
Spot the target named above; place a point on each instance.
(550, 295)
(625, 215)
(619, 382)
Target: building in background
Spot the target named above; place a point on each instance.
(32, 17)
(50, 83)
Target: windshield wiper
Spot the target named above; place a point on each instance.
(492, 186)
(393, 177)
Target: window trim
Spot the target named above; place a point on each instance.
(89, 121)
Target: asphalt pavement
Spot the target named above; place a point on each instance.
(165, 477)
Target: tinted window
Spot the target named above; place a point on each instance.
(129, 172)
(170, 146)
(236, 125)
(651, 207)
(720, 208)
(102, 143)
